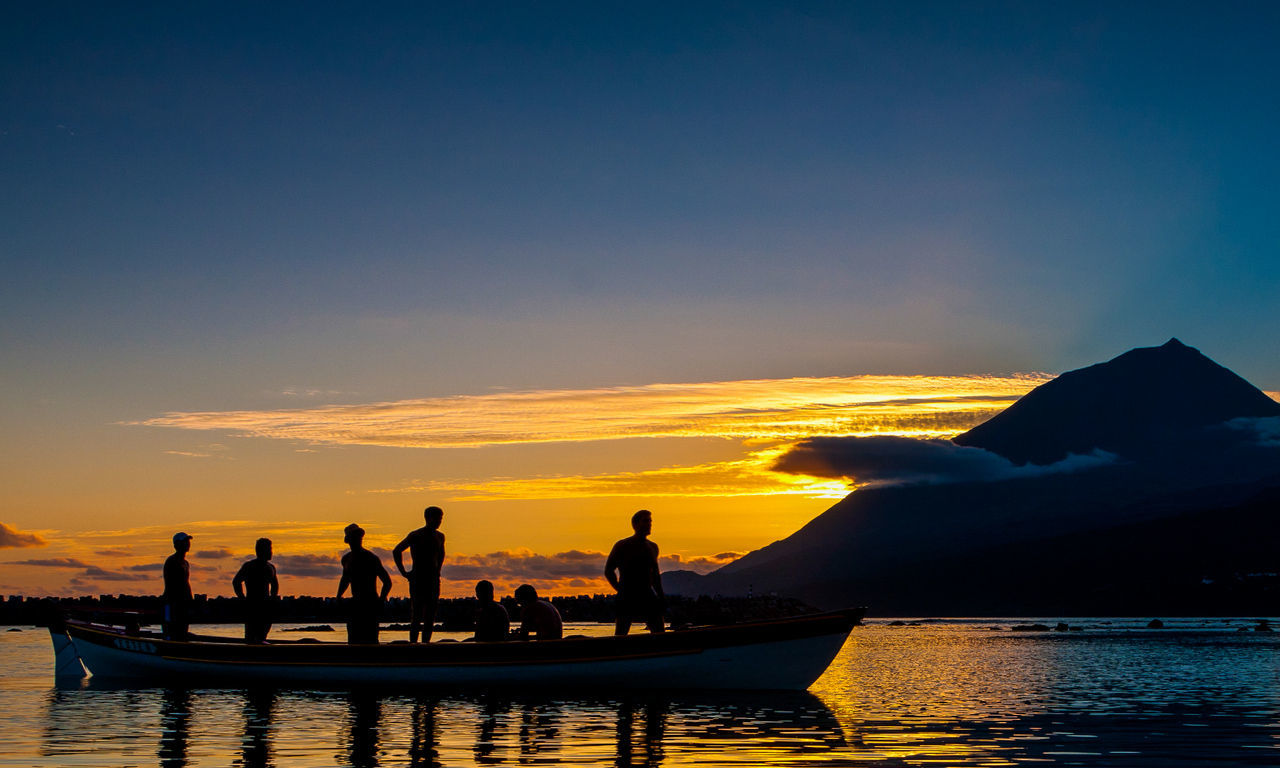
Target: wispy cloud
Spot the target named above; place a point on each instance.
(749, 476)
(768, 409)
(12, 538)
(888, 460)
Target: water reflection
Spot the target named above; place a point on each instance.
(424, 746)
(364, 729)
(175, 723)
(262, 728)
(255, 751)
(649, 751)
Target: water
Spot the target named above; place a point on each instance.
(954, 692)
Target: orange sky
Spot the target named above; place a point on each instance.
(536, 485)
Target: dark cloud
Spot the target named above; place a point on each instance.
(698, 564)
(526, 566)
(221, 553)
(12, 538)
(55, 562)
(146, 567)
(901, 460)
(94, 573)
(1264, 431)
(304, 566)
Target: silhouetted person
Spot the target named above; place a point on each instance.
(256, 584)
(426, 547)
(537, 617)
(632, 569)
(177, 590)
(492, 622)
(360, 570)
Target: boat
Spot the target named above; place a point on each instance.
(781, 654)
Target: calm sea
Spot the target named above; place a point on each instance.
(953, 692)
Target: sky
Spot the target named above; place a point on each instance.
(271, 270)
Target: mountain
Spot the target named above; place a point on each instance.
(1130, 406)
(1037, 539)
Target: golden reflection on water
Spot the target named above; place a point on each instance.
(969, 693)
(262, 728)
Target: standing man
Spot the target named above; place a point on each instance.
(360, 569)
(256, 584)
(426, 547)
(632, 569)
(177, 589)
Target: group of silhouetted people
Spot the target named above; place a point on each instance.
(631, 568)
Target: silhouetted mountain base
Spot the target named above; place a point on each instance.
(1216, 562)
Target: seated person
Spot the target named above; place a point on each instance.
(492, 622)
(537, 617)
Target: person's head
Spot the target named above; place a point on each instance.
(433, 516)
(484, 591)
(263, 548)
(181, 542)
(642, 522)
(526, 594)
(353, 535)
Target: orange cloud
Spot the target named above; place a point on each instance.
(12, 538)
(749, 476)
(768, 409)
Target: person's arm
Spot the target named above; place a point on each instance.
(385, 578)
(275, 583)
(440, 553)
(345, 580)
(611, 567)
(237, 583)
(397, 555)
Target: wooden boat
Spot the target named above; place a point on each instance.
(784, 654)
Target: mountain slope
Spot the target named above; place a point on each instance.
(1131, 406)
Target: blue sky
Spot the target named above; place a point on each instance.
(222, 206)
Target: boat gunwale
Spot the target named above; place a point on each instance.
(570, 650)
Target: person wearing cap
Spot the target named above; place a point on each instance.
(632, 569)
(177, 596)
(360, 570)
(538, 617)
(256, 585)
(426, 548)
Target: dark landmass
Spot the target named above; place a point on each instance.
(457, 614)
(1182, 517)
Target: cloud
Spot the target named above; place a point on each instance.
(12, 538)
(308, 566)
(89, 574)
(146, 567)
(1264, 431)
(94, 573)
(114, 552)
(700, 564)
(768, 409)
(750, 476)
(523, 564)
(221, 553)
(898, 460)
(54, 562)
